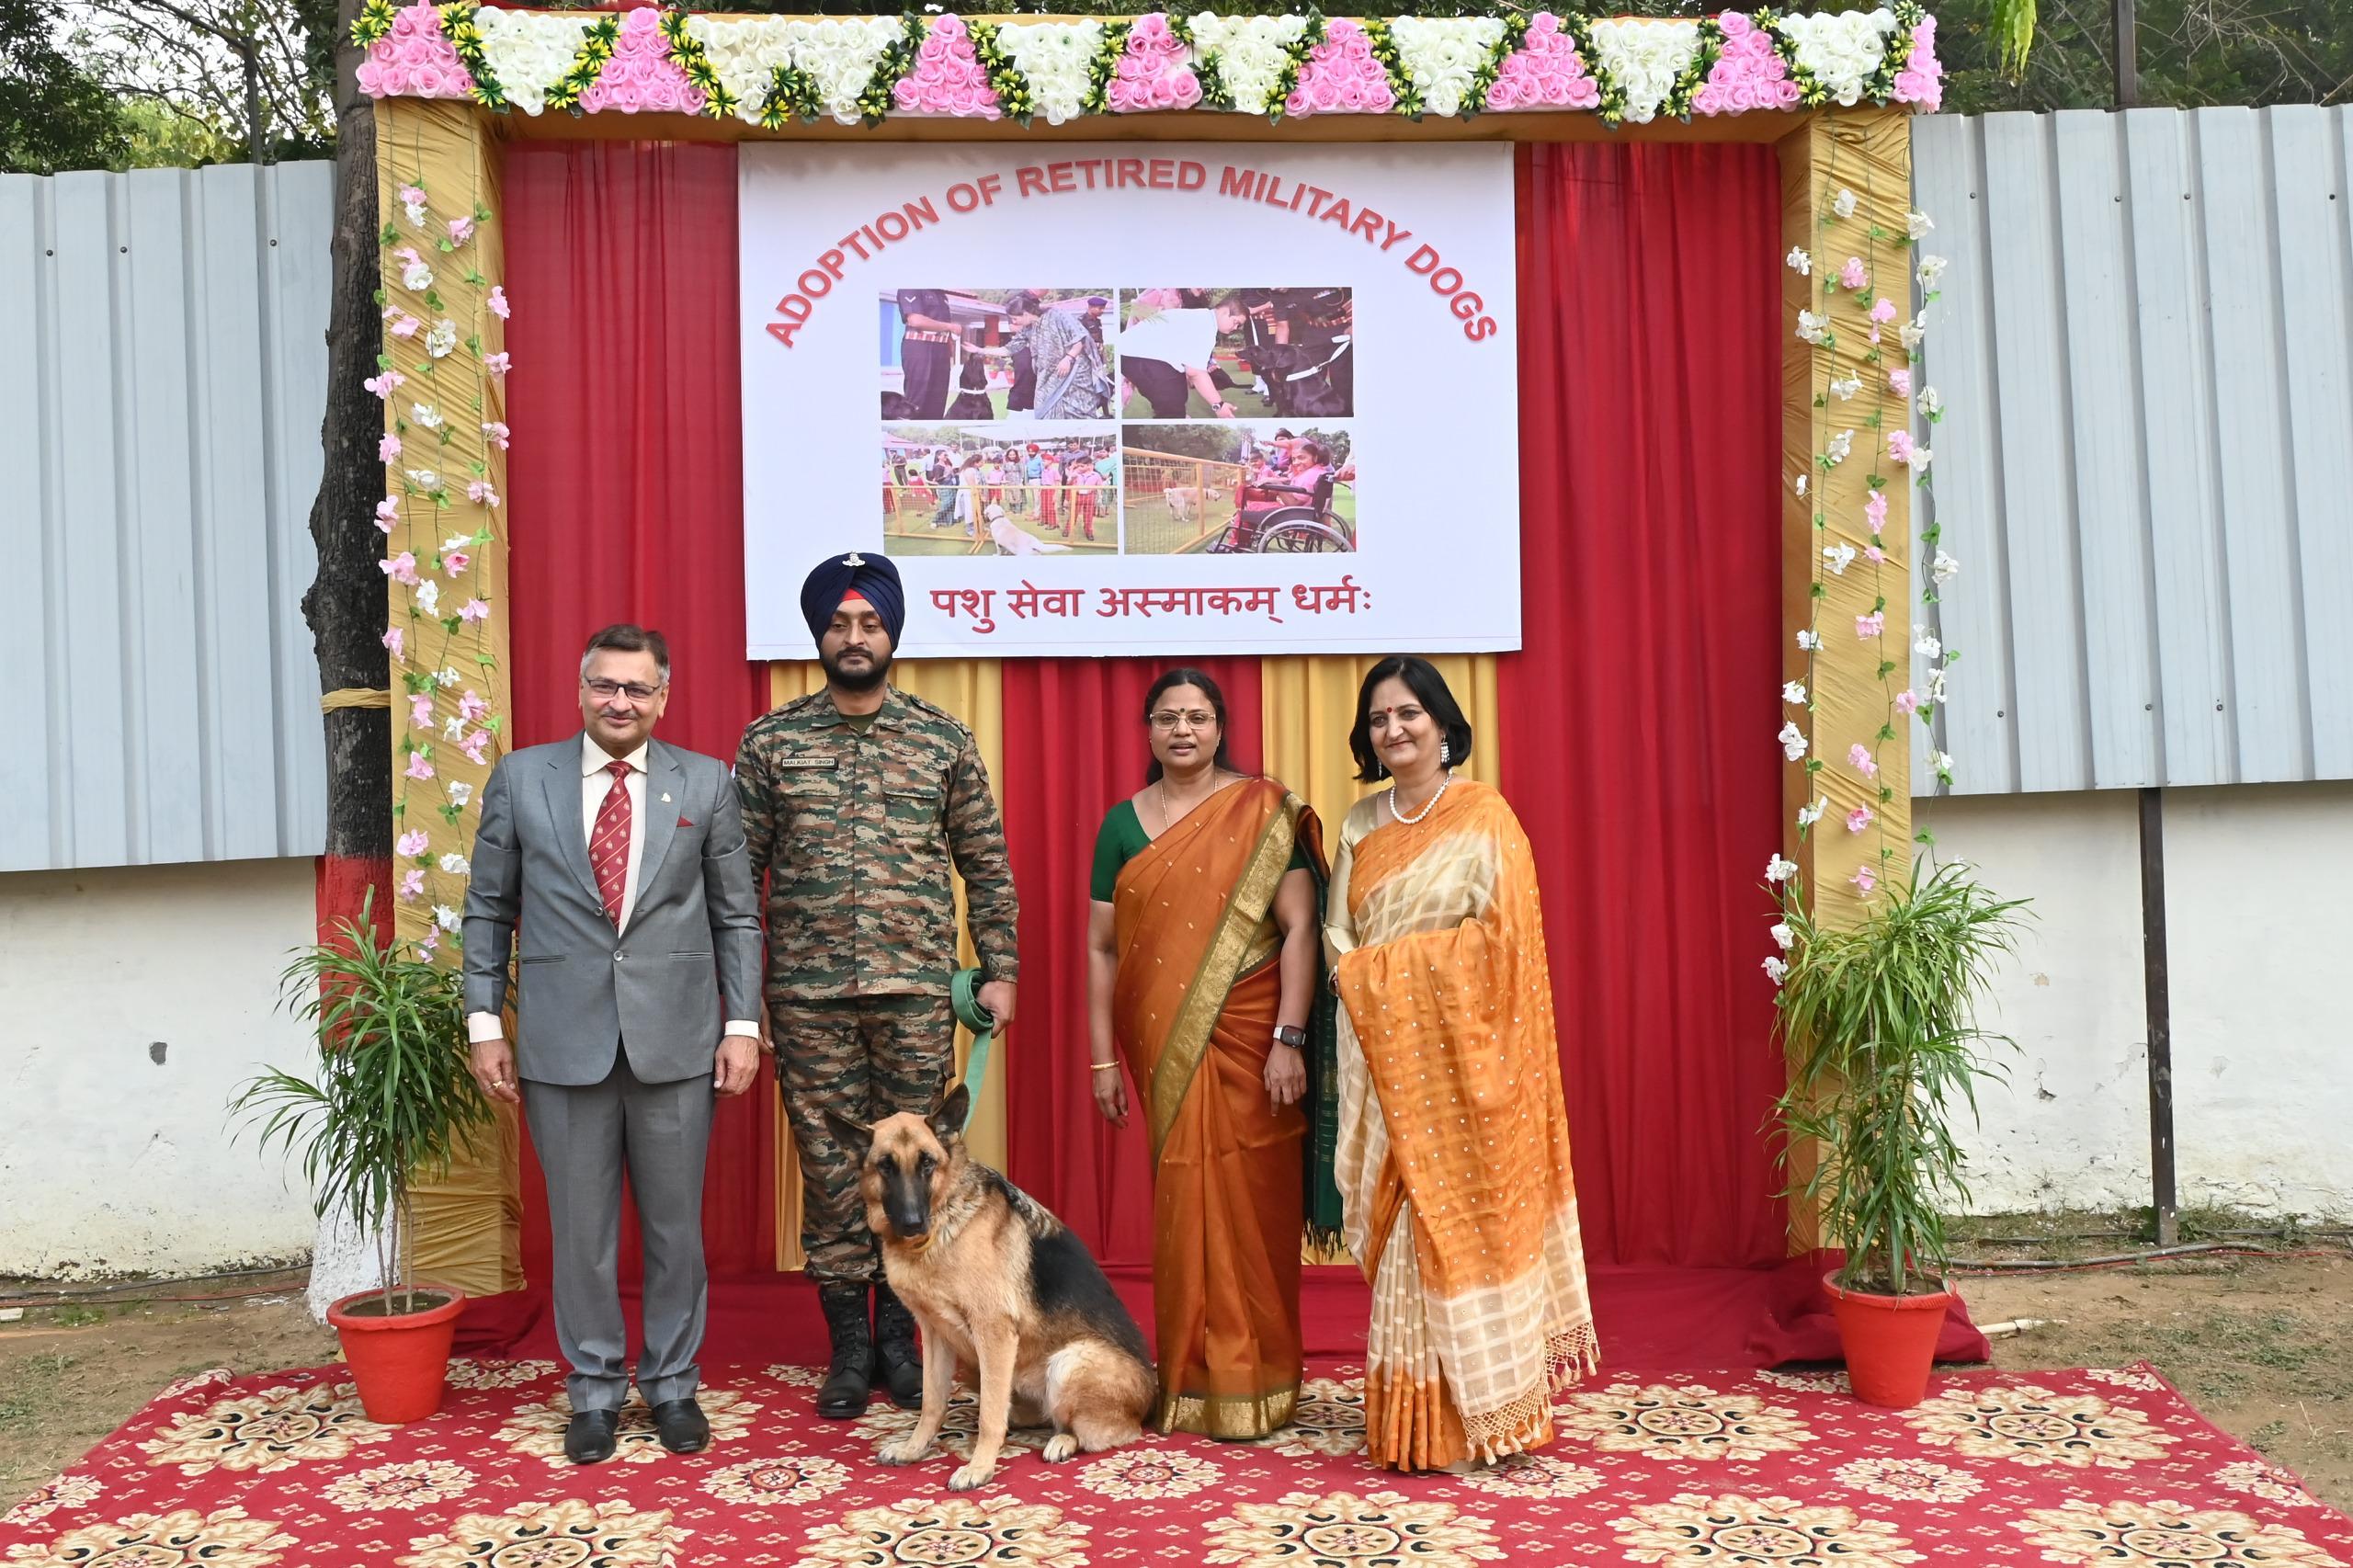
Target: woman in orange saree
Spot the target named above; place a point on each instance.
(1453, 1157)
(1202, 974)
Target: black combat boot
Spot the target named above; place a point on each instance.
(850, 1375)
(894, 1350)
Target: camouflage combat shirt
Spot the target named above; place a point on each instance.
(854, 833)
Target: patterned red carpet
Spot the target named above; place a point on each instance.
(1781, 1471)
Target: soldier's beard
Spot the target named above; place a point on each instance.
(877, 669)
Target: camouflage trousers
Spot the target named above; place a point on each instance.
(864, 1058)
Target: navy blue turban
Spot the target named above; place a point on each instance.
(871, 578)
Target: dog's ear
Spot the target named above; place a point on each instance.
(948, 1119)
(857, 1136)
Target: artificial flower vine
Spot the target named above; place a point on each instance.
(441, 427)
(769, 69)
(1888, 383)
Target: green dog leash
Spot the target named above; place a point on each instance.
(964, 994)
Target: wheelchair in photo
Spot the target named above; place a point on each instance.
(1284, 519)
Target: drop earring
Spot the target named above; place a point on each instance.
(1445, 754)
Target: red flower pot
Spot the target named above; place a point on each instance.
(400, 1363)
(1890, 1342)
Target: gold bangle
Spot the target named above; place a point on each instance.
(1103, 1067)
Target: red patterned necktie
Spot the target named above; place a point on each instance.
(608, 845)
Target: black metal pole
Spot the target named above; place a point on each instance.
(2157, 993)
(2127, 55)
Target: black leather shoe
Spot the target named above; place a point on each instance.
(589, 1439)
(681, 1426)
(895, 1354)
(849, 1375)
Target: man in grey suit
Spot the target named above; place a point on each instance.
(622, 863)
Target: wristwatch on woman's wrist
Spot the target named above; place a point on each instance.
(1295, 1039)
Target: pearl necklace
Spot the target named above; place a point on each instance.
(1427, 807)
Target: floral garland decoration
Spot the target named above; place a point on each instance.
(1647, 67)
(686, 50)
(1006, 79)
(793, 95)
(1445, 65)
(461, 25)
(1345, 73)
(1060, 67)
(375, 19)
(1107, 66)
(1153, 73)
(596, 48)
(1250, 64)
(1841, 57)
(532, 51)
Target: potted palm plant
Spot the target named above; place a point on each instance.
(1880, 1021)
(393, 1099)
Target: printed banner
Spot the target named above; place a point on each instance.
(1217, 399)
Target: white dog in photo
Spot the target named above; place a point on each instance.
(1013, 541)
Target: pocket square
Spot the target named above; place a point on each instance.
(684, 822)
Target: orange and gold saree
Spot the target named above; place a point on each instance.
(1194, 1013)
(1453, 1157)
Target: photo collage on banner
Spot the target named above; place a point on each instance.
(1136, 404)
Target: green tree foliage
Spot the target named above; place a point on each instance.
(2191, 53)
(53, 113)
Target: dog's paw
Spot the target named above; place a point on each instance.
(900, 1450)
(968, 1476)
(1060, 1447)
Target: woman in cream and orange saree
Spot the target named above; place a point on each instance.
(1202, 980)
(1453, 1146)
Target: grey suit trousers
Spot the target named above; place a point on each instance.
(585, 1135)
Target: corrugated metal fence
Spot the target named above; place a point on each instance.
(2146, 467)
(164, 338)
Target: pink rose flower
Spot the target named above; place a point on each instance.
(454, 562)
(475, 746)
(497, 364)
(1899, 382)
(418, 766)
(1858, 757)
(1907, 702)
(473, 610)
(460, 229)
(1899, 446)
(420, 716)
(1875, 509)
(1187, 88)
(1882, 310)
(394, 639)
(388, 512)
(473, 707)
(933, 50)
(1852, 275)
(1858, 819)
(388, 447)
(412, 879)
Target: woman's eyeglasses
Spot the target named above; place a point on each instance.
(1168, 719)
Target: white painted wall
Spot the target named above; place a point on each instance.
(112, 1162)
(2260, 902)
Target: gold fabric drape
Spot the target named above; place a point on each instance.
(468, 1223)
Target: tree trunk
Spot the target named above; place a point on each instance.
(345, 603)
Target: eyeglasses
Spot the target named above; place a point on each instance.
(605, 690)
(1168, 719)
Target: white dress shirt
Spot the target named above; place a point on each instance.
(597, 784)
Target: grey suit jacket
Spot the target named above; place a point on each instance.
(653, 989)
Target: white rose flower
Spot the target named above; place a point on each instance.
(1794, 741)
(744, 52)
(1056, 59)
(1810, 815)
(441, 338)
(425, 414)
(1914, 332)
(1846, 387)
(1441, 55)
(1929, 403)
(1917, 225)
(1931, 268)
(529, 51)
(1779, 871)
(1926, 646)
(1809, 640)
(1793, 691)
(447, 918)
(1944, 569)
(1841, 49)
(1783, 937)
(1837, 557)
(1843, 203)
(1252, 52)
(429, 597)
(456, 865)
(1645, 57)
(1813, 327)
(416, 276)
(1775, 970)
(1941, 761)
(1799, 262)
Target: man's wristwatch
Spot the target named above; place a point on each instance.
(1295, 1039)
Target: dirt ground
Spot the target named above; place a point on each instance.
(2263, 1347)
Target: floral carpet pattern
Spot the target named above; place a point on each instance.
(2082, 1469)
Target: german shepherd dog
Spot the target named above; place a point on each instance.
(997, 1283)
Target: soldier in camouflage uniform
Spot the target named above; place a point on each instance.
(856, 800)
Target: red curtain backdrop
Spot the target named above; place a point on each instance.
(627, 473)
(1073, 745)
(1643, 703)
(1640, 711)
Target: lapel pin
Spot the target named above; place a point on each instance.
(665, 799)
